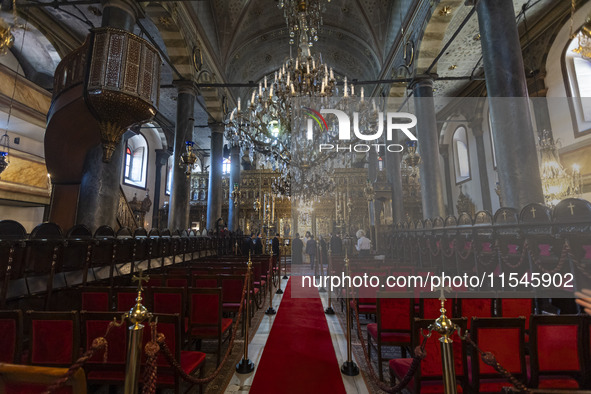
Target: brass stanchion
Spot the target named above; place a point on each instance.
(136, 316)
(284, 262)
(349, 367)
(444, 326)
(329, 310)
(270, 310)
(245, 365)
(279, 291)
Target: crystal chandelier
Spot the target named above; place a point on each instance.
(557, 183)
(303, 17)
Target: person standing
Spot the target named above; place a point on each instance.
(297, 248)
(258, 244)
(336, 244)
(363, 243)
(311, 251)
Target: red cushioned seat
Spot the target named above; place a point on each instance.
(11, 327)
(393, 325)
(205, 317)
(557, 355)
(428, 377)
(54, 338)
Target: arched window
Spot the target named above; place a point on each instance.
(579, 85)
(226, 166)
(169, 176)
(136, 163)
(461, 156)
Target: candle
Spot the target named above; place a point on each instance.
(231, 116)
(352, 90)
(260, 90)
(292, 89)
(238, 103)
(252, 98)
(297, 63)
(313, 64)
(265, 82)
(271, 92)
(308, 67)
(362, 94)
(326, 71)
(288, 75)
(345, 88)
(331, 74)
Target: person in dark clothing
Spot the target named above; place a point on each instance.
(336, 244)
(311, 251)
(323, 250)
(258, 244)
(297, 247)
(275, 245)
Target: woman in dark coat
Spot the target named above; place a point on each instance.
(297, 248)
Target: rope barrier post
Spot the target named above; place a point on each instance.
(279, 291)
(136, 316)
(444, 326)
(245, 365)
(329, 310)
(349, 367)
(270, 310)
(284, 262)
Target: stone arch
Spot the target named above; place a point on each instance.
(176, 44)
(434, 34)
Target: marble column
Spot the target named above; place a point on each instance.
(447, 170)
(178, 208)
(428, 146)
(515, 147)
(99, 195)
(234, 210)
(482, 168)
(214, 195)
(162, 156)
(392, 165)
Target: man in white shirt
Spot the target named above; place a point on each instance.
(363, 243)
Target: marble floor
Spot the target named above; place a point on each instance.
(241, 383)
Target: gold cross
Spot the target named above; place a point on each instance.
(571, 206)
(140, 278)
(505, 215)
(533, 212)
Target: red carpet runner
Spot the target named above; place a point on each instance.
(299, 356)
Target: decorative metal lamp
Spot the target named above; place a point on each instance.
(4, 151)
(188, 158)
(6, 37)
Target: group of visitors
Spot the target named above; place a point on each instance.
(310, 247)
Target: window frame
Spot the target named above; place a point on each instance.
(128, 170)
(226, 162)
(456, 163)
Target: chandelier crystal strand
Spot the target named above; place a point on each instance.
(304, 18)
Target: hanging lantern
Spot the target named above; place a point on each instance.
(188, 158)
(4, 150)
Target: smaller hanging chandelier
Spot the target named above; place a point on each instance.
(557, 183)
(4, 152)
(303, 17)
(188, 158)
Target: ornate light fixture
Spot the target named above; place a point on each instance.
(4, 152)
(557, 183)
(6, 37)
(303, 17)
(188, 158)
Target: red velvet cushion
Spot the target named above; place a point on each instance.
(366, 309)
(431, 364)
(232, 290)
(126, 301)
(30, 388)
(517, 307)
(95, 302)
(190, 361)
(7, 340)
(387, 337)
(476, 307)
(205, 309)
(558, 382)
(211, 331)
(51, 342)
(505, 344)
(558, 342)
(395, 313)
(168, 303)
(117, 341)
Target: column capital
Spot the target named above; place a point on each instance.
(162, 156)
(423, 80)
(185, 86)
(217, 127)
